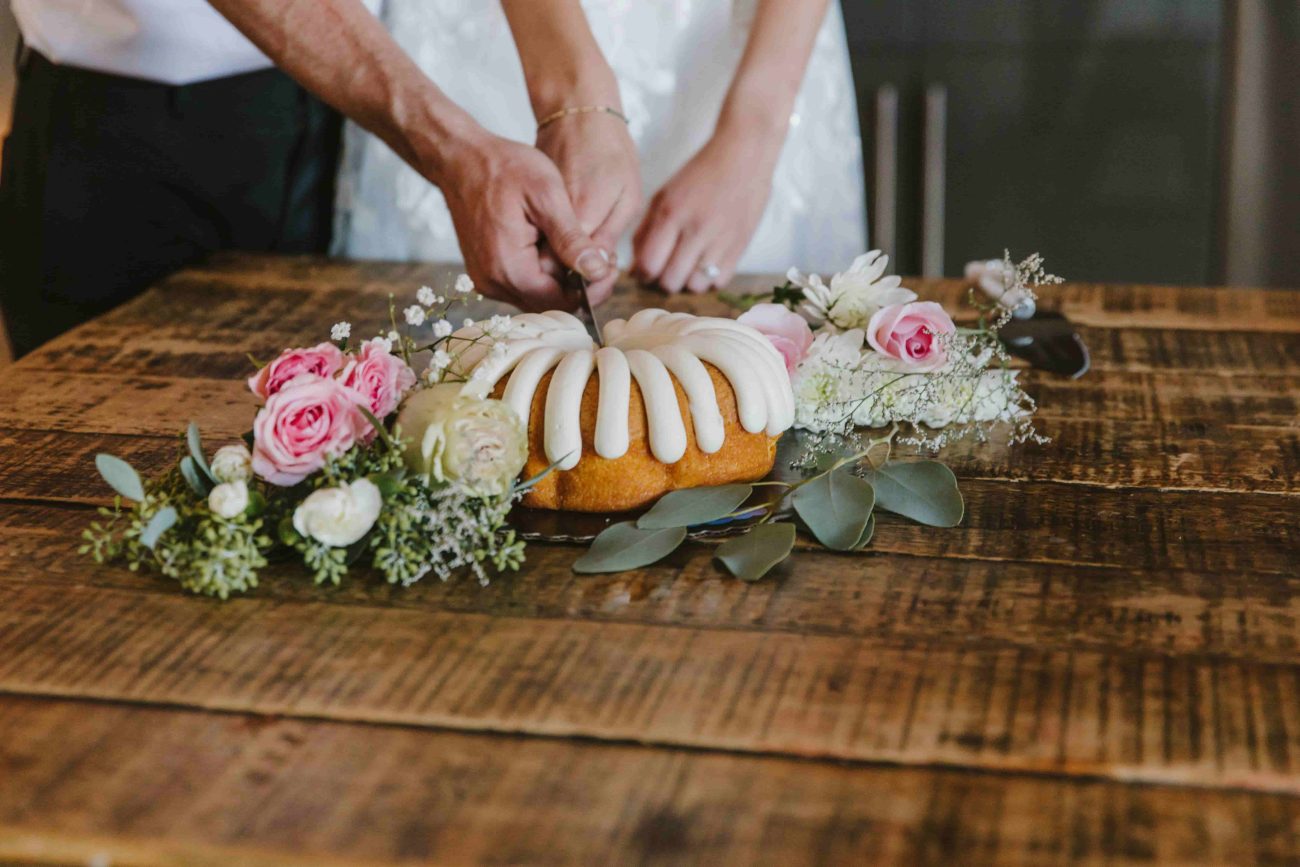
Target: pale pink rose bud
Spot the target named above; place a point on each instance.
(911, 333)
(377, 378)
(787, 331)
(324, 359)
(307, 420)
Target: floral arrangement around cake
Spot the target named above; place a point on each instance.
(354, 458)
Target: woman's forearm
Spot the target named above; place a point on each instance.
(338, 50)
(763, 91)
(562, 63)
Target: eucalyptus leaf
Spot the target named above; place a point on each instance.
(749, 557)
(836, 507)
(626, 546)
(925, 491)
(197, 482)
(195, 443)
(865, 538)
(120, 476)
(692, 506)
(160, 523)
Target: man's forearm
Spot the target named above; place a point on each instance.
(338, 50)
(562, 62)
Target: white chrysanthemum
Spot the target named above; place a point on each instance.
(824, 380)
(853, 296)
(341, 331)
(426, 296)
(414, 315)
(464, 285)
(442, 328)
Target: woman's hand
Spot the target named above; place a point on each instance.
(699, 224)
(505, 198)
(602, 174)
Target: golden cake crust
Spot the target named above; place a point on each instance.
(638, 478)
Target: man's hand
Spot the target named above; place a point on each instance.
(505, 198)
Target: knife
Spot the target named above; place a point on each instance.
(578, 284)
(1046, 339)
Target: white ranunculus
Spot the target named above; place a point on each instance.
(339, 516)
(229, 499)
(454, 435)
(232, 464)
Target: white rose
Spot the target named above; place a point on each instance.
(339, 516)
(232, 464)
(229, 499)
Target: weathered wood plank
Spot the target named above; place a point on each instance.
(975, 603)
(1030, 521)
(1126, 716)
(257, 790)
(1109, 305)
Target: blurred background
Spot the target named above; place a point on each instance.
(1136, 140)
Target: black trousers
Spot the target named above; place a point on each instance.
(109, 183)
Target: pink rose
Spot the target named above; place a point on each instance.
(306, 421)
(324, 359)
(787, 331)
(378, 378)
(910, 333)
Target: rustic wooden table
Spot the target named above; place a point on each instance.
(1100, 664)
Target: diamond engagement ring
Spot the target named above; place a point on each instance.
(711, 271)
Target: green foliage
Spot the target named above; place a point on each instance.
(198, 482)
(692, 506)
(836, 506)
(422, 527)
(120, 476)
(749, 557)
(172, 531)
(925, 491)
(195, 444)
(626, 546)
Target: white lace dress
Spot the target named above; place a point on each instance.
(674, 60)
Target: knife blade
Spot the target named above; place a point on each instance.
(577, 283)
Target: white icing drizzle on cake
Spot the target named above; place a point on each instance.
(654, 347)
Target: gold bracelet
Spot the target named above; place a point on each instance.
(579, 109)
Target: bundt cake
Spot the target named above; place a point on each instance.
(670, 401)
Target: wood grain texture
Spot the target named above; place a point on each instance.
(266, 790)
(1099, 665)
(1130, 716)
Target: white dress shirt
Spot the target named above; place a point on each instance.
(168, 41)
